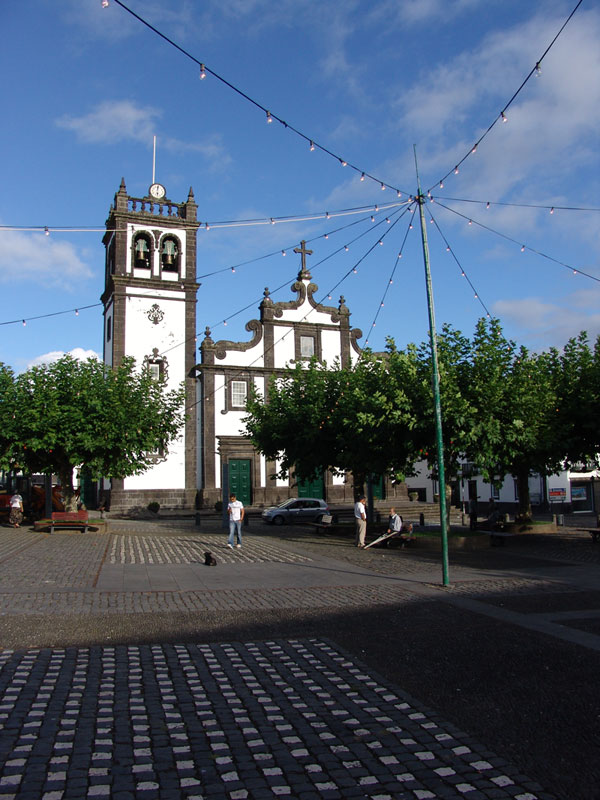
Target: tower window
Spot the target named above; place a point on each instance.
(108, 328)
(170, 254)
(307, 346)
(156, 364)
(142, 251)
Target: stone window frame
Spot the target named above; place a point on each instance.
(307, 330)
(156, 359)
(244, 378)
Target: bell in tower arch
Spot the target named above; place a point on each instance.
(142, 253)
(170, 254)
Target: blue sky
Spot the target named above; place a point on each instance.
(86, 88)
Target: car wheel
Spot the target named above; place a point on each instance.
(278, 520)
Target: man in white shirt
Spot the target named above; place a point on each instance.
(235, 509)
(360, 518)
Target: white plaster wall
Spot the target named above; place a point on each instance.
(141, 336)
(338, 480)
(263, 471)
(245, 358)
(284, 346)
(330, 346)
(280, 481)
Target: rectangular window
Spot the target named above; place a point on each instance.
(307, 346)
(516, 489)
(495, 492)
(108, 328)
(154, 371)
(239, 393)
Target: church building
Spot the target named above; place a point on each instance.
(150, 313)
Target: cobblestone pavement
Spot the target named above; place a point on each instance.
(296, 719)
(296, 716)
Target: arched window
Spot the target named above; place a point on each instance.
(169, 254)
(142, 249)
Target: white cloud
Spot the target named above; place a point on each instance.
(545, 324)
(44, 259)
(115, 121)
(78, 353)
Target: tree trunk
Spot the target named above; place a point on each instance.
(524, 514)
(67, 490)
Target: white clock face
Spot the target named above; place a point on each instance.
(157, 190)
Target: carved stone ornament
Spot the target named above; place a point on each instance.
(156, 358)
(155, 315)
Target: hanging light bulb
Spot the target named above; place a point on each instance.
(487, 205)
(448, 249)
(346, 248)
(398, 193)
(574, 272)
(283, 253)
(538, 70)
(372, 218)
(354, 271)
(474, 150)
(272, 221)
(504, 117)
(376, 208)
(202, 72)
(456, 170)
(326, 236)
(470, 222)
(462, 273)
(207, 226)
(552, 210)
(410, 226)
(269, 117)
(387, 219)
(224, 322)
(343, 163)
(329, 297)
(311, 146)
(46, 231)
(76, 312)
(399, 256)
(523, 248)
(362, 176)
(381, 241)
(475, 295)
(383, 187)
(24, 324)
(441, 184)
(105, 4)
(233, 269)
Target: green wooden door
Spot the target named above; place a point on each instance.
(314, 488)
(239, 479)
(378, 488)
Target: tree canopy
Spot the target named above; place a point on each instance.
(506, 410)
(58, 416)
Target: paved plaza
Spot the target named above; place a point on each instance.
(298, 667)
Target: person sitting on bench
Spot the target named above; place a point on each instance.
(394, 522)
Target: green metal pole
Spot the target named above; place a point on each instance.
(436, 384)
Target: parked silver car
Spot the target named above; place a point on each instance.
(303, 509)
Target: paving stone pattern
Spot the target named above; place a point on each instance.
(133, 549)
(296, 719)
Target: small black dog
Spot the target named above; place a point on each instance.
(210, 560)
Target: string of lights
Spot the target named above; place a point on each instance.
(523, 247)
(463, 271)
(352, 270)
(487, 203)
(51, 314)
(256, 301)
(389, 283)
(535, 70)
(376, 209)
(312, 143)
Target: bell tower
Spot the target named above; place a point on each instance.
(150, 313)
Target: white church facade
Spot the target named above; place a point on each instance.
(150, 313)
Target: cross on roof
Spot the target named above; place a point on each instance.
(302, 249)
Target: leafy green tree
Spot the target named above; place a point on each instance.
(59, 416)
(514, 422)
(357, 419)
(576, 378)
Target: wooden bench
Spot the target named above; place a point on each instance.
(70, 519)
